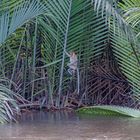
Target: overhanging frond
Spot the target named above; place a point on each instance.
(110, 8)
(21, 14)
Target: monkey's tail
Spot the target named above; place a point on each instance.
(78, 81)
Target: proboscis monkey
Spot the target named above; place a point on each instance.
(73, 62)
(73, 66)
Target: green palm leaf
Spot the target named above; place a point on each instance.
(111, 10)
(110, 110)
(27, 10)
(8, 104)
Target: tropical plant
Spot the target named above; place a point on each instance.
(33, 52)
(8, 103)
(110, 111)
(13, 25)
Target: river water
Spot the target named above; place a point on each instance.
(70, 126)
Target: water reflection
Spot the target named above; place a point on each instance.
(70, 126)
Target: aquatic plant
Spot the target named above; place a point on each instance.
(110, 110)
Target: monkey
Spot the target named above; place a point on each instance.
(73, 67)
(73, 63)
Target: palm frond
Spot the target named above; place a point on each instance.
(27, 10)
(82, 32)
(126, 56)
(8, 104)
(110, 8)
(110, 110)
(131, 13)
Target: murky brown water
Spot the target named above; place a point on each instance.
(69, 126)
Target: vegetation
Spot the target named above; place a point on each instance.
(110, 111)
(8, 104)
(104, 34)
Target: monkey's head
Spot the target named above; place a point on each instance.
(72, 53)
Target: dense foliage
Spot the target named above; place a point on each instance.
(104, 34)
